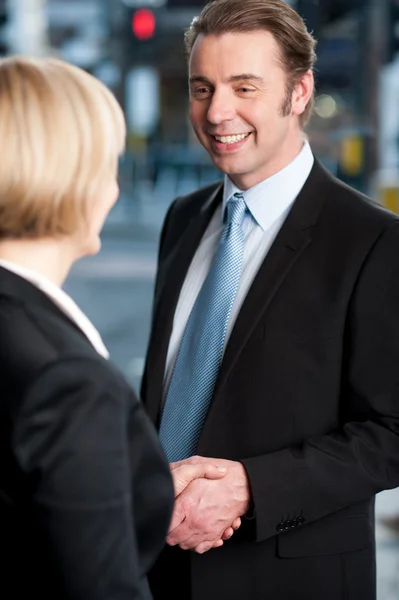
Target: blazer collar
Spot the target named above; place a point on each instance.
(178, 261)
(20, 290)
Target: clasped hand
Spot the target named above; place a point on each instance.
(210, 497)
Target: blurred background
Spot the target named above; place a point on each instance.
(136, 48)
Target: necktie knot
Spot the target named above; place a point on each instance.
(235, 209)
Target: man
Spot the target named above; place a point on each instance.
(274, 346)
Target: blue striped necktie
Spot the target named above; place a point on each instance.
(201, 349)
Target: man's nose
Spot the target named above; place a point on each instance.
(221, 108)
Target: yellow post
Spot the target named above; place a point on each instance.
(352, 154)
(389, 197)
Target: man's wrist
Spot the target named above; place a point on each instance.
(249, 508)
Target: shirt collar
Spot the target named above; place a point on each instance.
(269, 199)
(62, 300)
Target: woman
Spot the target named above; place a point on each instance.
(85, 491)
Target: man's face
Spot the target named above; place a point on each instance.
(237, 94)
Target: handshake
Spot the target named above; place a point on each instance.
(211, 495)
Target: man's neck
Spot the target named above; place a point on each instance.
(275, 165)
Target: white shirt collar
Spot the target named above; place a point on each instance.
(268, 200)
(63, 301)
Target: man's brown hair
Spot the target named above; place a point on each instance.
(296, 44)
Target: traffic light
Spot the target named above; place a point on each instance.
(393, 29)
(134, 30)
(143, 24)
(149, 32)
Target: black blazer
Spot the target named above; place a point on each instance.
(307, 396)
(85, 489)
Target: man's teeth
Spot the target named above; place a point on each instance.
(231, 139)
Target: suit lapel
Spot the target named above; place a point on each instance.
(172, 274)
(274, 269)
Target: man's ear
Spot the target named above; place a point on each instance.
(302, 93)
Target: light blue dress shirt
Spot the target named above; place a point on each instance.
(269, 203)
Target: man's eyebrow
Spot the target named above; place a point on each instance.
(199, 79)
(232, 79)
(245, 77)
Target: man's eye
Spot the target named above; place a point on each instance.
(245, 89)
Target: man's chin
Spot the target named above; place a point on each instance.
(228, 165)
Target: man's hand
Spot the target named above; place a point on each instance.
(207, 511)
(184, 474)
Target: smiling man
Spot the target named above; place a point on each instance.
(248, 121)
(274, 338)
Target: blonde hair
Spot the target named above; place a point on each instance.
(61, 134)
(296, 44)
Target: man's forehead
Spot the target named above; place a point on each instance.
(234, 53)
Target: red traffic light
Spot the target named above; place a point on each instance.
(143, 24)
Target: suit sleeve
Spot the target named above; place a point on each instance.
(72, 442)
(332, 471)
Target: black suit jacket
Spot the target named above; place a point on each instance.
(307, 396)
(85, 489)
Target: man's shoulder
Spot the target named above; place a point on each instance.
(185, 210)
(195, 200)
(352, 203)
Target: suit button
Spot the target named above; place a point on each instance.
(301, 520)
(280, 527)
(295, 522)
(287, 525)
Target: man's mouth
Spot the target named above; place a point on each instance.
(231, 139)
